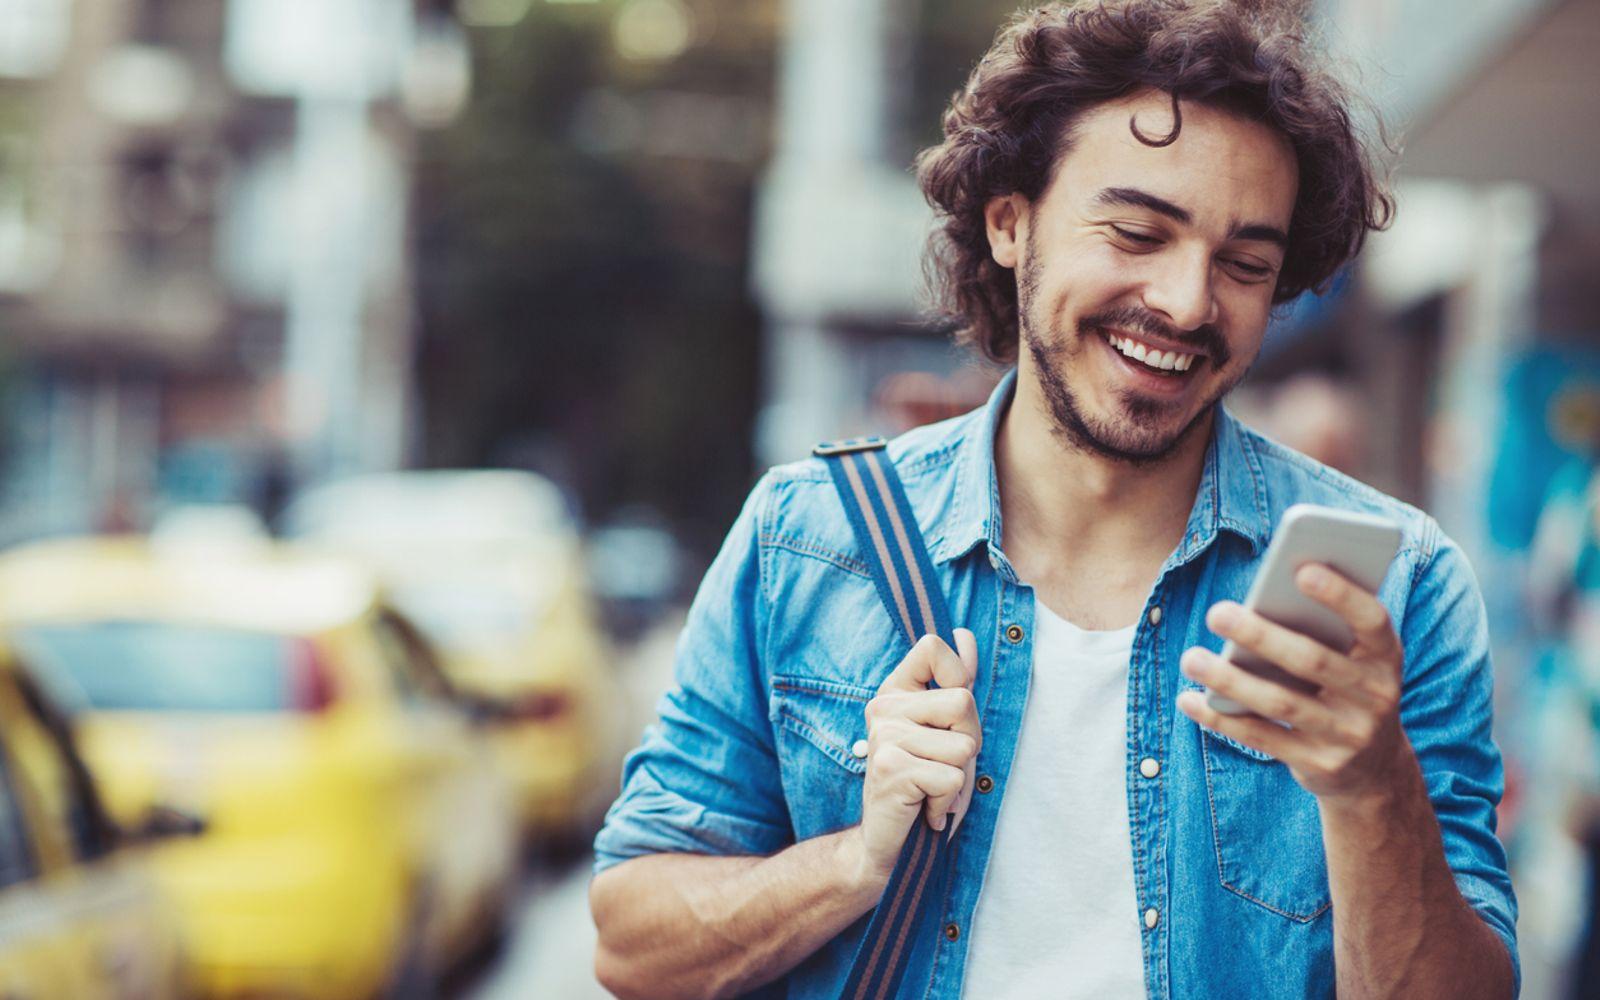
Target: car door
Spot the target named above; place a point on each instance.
(473, 828)
(35, 948)
(81, 915)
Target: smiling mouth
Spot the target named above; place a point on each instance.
(1158, 362)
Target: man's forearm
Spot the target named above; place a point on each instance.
(1400, 925)
(688, 925)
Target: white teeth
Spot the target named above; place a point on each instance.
(1164, 360)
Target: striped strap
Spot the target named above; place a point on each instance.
(901, 925)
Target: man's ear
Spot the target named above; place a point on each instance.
(1003, 218)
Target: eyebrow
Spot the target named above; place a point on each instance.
(1260, 231)
(1143, 199)
(1135, 198)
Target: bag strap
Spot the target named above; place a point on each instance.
(887, 533)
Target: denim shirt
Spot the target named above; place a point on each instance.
(787, 640)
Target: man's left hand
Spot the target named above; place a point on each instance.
(1344, 741)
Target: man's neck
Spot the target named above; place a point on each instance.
(1066, 509)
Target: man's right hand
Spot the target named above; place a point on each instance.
(923, 745)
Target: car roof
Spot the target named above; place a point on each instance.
(263, 586)
(462, 506)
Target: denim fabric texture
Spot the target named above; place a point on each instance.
(787, 640)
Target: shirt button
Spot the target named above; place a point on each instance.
(859, 748)
(1149, 767)
(951, 932)
(1155, 615)
(1014, 633)
(985, 783)
(1150, 917)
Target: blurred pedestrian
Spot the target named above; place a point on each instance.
(1321, 418)
(912, 399)
(1126, 188)
(1564, 598)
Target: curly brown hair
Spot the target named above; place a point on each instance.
(1006, 129)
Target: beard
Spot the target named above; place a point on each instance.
(1147, 430)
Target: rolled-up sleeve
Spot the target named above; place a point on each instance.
(1447, 710)
(705, 778)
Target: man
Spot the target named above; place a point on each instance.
(1126, 189)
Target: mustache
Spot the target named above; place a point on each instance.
(1205, 339)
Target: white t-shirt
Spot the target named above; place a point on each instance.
(1059, 915)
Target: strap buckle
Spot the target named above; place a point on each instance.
(827, 448)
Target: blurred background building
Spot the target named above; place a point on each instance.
(206, 268)
(645, 248)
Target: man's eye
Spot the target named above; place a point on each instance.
(1136, 238)
(1250, 270)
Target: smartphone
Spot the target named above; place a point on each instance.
(1358, 546)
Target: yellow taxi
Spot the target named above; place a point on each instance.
(80, 915)
(489, 563)
(358, 837)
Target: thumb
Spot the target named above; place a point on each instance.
(967, 649)
(959, 809)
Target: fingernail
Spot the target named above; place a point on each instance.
(1224, 614)
(1193, 663)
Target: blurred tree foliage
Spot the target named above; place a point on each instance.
(585, 303)
(950, 37)
(584, 278)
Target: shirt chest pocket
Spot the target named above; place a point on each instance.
(819, 726)
(1267, 831)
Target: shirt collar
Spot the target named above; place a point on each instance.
(975, 511)
(1232, 494)
(1233, 491)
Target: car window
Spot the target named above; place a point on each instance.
(16, 857)
(155, 666)
(476, 606)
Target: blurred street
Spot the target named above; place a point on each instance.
(549, 947)
(549, 951)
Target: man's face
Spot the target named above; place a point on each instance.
(1145, 275)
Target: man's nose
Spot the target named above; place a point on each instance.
(1181, 290)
